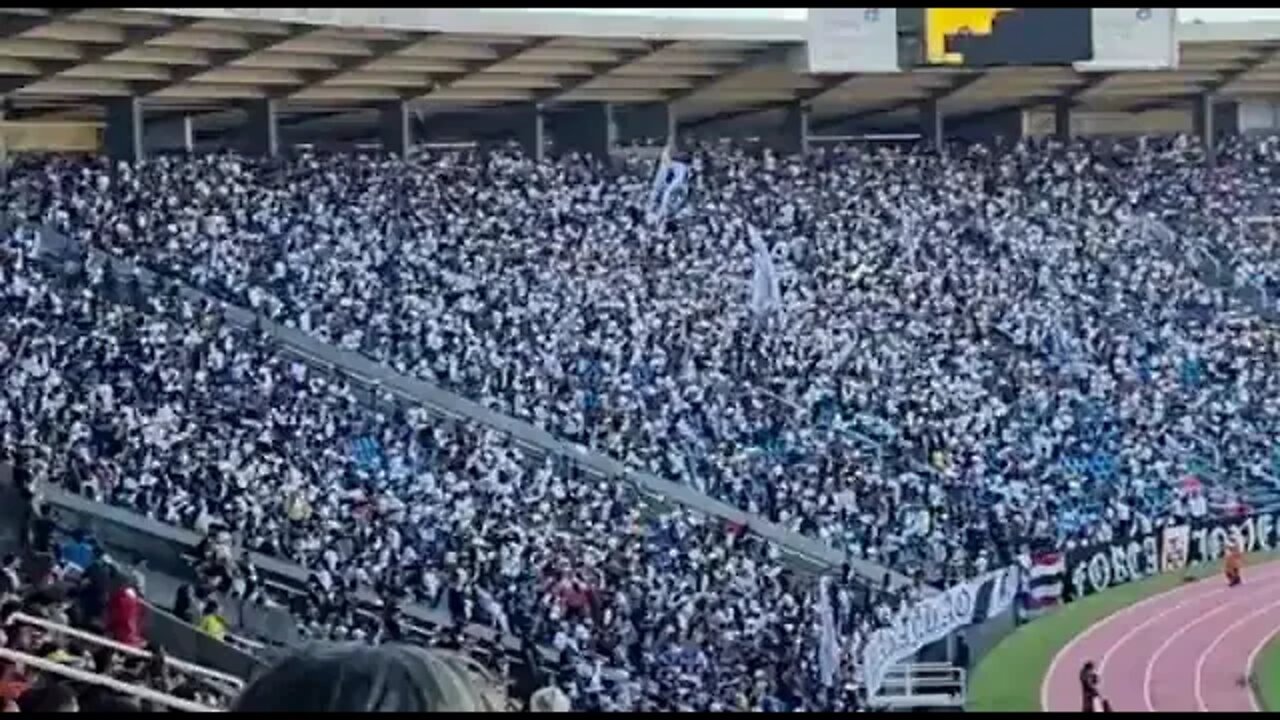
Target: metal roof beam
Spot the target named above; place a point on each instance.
(805, 97)
(1263, 56)
(444, 81)
(730, 115)
(939, 95)
(754, 61)
(1071, 96)
(219, 59)
(378, 50)
(300, 121)
(1091, 81)
(12, 26)
(956, 87)
(1163, 103)
(983, 115)
(94, 52)
(625, 58)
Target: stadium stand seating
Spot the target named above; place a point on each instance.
(974, 352)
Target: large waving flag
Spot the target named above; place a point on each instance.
(766, 292)
(669, 189)
(828, 643)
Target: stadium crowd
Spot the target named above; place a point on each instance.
(976, 352)
(163, 408)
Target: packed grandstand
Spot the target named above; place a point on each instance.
(939, 361)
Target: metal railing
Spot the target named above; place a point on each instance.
(105, 681)
(921, 685)
(228, 684)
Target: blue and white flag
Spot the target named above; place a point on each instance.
(766, 293)
(669, 190)
(367, 453)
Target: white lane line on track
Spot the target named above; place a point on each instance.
(1047, 682)
(1124, 639)
(1149, 672)
(1204, 656)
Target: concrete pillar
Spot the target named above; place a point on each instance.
(793, 137)
(1062, 119)
(123, 134)
(261, 132)
(932, 127)
(1202, 117)
(531, 131)
(651, 121)
(175, 135)
(394, 128)
(586, 128)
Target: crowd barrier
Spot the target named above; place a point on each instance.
(1174, 548)
(1090, 569)
(180, 639)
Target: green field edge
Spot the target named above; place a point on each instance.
(1264, 679)
(1009, 677)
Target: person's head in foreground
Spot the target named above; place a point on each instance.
(354, 677)
(549, 699)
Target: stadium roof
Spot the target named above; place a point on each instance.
(333, 64)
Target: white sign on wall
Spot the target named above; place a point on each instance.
(1133, 39)
(852, 40)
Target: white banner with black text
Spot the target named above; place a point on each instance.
(932, 619)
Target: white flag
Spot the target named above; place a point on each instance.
(674, 194)
(766, 294)
(659, 183)
(669, 189)
(828, 643)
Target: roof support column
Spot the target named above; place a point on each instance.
(1062, 119)
(261, 132)
(531, 132)
(394, 128)
(123, 134)
(653, 122)
(586, 128)
(1202, 117)
(932, 124)
(793, 137)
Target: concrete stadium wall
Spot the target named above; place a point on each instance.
(13, 513)
(28, 136)
(185, 642)
(1259, 115)
(1085, 123)
(982, 638)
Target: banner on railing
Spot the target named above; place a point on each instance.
(1171, 549)
(932, 619)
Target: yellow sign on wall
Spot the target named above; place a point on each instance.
(939, 23)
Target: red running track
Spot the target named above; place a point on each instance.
(1189, 649)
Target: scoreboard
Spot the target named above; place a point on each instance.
(845, 40)
(985, 37)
